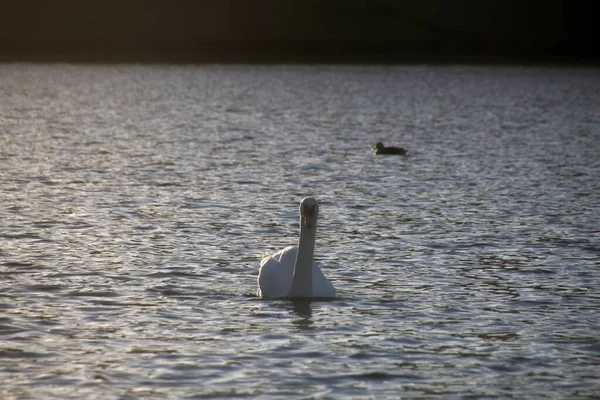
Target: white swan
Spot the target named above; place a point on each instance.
(292, 271)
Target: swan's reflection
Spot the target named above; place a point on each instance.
(304, 311)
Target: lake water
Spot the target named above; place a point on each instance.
(136, 202)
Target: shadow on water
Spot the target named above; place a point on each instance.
(304, 311)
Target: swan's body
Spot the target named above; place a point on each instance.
(277, 273)
(292, 271)
(381, 149)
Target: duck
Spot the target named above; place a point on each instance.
(292, 272)
(381, 149)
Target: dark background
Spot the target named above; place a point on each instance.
(299, 31)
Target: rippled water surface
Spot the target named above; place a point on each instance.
(136, 202)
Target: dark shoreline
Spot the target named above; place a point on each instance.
(536, 32)
(319, 56)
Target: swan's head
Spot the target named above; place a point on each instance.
(309, 210)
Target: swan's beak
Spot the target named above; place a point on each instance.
(309, 222)
(310, 217)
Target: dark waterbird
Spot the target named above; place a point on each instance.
(381, 149)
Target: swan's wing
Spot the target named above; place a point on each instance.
(275, 277)
(287, 256)
(322, 287)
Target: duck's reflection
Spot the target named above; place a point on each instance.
(303, 309)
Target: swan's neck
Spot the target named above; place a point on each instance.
(302, 281)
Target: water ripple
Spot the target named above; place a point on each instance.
(138, 200)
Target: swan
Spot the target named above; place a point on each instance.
(292, 272)
(381, 149)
